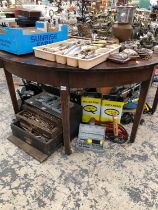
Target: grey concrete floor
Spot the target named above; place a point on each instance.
(122, 178)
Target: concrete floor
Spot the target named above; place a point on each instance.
(122, 178)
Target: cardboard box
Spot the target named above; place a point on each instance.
(22, 41)
(91, 108)
(110, 108)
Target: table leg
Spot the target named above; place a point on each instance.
(154, 107)
(11, 88)
(142, 99)
(65, 104)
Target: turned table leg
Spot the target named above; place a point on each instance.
(11, 88)
(142, 99)
(65, 104)
(154, 107)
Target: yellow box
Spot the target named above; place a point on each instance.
(110, 108)
(91, 108)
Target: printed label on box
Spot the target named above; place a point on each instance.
(110, 108)
(91, 108)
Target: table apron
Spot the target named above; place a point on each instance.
(36, 74)
(86, 79)
(113, 78)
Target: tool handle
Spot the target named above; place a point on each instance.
(115, 126)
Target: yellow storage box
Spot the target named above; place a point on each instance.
(91, 108)
(110, 108)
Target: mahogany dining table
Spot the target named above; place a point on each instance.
(106, 74)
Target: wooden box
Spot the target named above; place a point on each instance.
(47, 146)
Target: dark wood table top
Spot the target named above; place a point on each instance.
(31, 60)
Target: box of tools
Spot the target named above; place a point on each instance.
(41, 130)
(91, 137)
(51, 104)
(40, 122)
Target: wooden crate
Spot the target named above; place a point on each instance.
(47, 146)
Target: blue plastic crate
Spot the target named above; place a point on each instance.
(15, 41)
